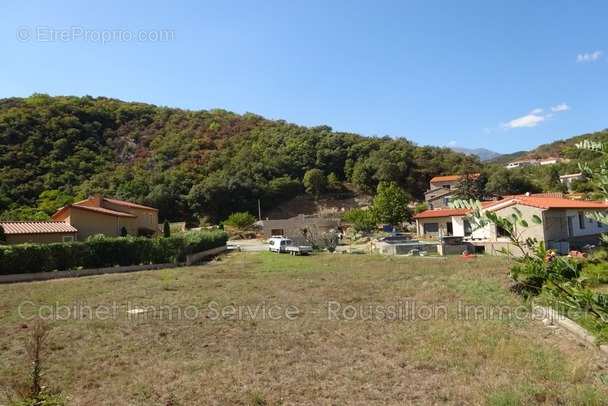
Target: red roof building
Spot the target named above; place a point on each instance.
(42, 232)
(110, 217)
(566, 223)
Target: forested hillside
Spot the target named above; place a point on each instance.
(189, 164)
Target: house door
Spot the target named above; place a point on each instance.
(569, 224)
(450, 228)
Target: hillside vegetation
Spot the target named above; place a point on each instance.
(195, 165)
(188, 164)
(560, 148)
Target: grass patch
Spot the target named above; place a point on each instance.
(262, 328)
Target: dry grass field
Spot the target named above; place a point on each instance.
(268, 329)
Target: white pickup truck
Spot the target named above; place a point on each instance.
(279, 243)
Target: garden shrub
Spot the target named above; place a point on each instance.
(100, 251)
(595, 274)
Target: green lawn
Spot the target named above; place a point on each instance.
(319, 330)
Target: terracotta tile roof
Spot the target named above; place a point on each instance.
(100, 210)
(116, 202)
(543, 202)
(37, 227)
(441, 213)
(129, 204)
(448, 178)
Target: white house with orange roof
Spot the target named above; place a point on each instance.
(564, 226)
(100, 215)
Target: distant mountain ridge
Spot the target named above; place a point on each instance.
(482, 153)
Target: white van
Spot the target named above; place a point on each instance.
(278, 243)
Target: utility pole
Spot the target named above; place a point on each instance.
(259, 211)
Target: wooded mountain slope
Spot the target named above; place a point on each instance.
(187, 163)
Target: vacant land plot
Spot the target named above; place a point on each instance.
(268, 329)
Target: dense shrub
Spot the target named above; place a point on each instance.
(100, 251)
(241, 220)
(198, 241)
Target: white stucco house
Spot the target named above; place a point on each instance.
(564, 226)
(567, 179)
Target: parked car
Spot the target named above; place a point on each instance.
(395, 237)
(277, 243)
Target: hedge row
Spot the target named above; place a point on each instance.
(100, 252)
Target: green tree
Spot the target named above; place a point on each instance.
(504, 182)
(599, 178)
(553, 182)
(166, 229)
(240, 220)
(334, 184)
(314, 181)
(2, 235)
(471, 183)
(391, 204)
(361, 219)
(50, 201)
(419, 208)
(363, 176)
(582, 186)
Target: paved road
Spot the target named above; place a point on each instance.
(249, 245)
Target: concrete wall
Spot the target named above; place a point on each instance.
(489, 232)
(458, 226)
(441, 184)
(435, 198)
(456, 249)
(533, 230)
(589, 226)
(404, 249)
(291, 227)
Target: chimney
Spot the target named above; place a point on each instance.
(96, 199)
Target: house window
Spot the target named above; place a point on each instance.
(581, 220)
(431, 228)
(569, 224)
(150, 218)
(67, 238)
(501, 232)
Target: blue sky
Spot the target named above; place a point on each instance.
(503, 75)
